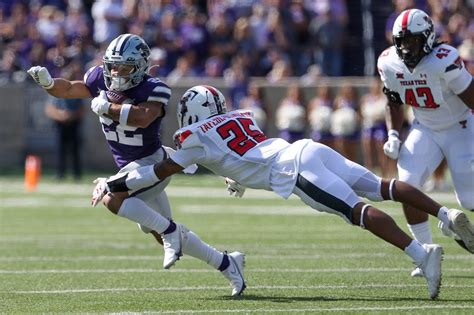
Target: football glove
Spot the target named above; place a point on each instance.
(234, 188)
(100, 104)
(41, 76)
(100, 190)
(392, 146)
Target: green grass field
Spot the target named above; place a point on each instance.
(59, 255)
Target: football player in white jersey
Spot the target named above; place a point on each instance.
(232, 145)
(132, 132)
(431, 78)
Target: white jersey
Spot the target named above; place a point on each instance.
(432, 88)
(232, 145)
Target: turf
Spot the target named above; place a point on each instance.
(59, 255)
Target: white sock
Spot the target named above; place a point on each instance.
(195, 247)
(138, 211)
(443, 215)
(421, 232)
(416, 251)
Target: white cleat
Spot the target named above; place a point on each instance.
(235, 272)
(172, 246)
(462, 227)
(431, 267)
(417, 272)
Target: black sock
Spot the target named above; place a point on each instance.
(225, 263)
(171, 228)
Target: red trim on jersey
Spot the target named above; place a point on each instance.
(183, 135)
(405, 20)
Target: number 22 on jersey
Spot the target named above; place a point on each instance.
(121, 134)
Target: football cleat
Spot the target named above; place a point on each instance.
(235, 272)
(172, 245)
(431, 267)
(460, 225)
(417, 272)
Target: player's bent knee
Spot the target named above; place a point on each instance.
(113, 201)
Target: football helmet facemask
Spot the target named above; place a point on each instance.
(198, 103)
(125, 51)
(413, 36)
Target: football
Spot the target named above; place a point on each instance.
(117, 97)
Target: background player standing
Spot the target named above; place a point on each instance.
(431, 78)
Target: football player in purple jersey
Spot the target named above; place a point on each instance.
(132, 132)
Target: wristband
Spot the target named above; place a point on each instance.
(393, 132)
(49, 86)
(124, 112)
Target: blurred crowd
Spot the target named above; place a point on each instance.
(204, 38)
(235, 40)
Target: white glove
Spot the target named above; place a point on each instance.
(100, 104)
(234, 187)
(100, 190)
(41, 76)
(392, 146)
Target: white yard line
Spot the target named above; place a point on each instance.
(318, 309)
(255, 270)
(257, 287)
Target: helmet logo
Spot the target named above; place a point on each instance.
(144, 50)
(183, 104)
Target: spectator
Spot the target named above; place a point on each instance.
(281, 69)
(345, 122)
(328, 39)
(236, 78)
(374, 131)
(109, 20)
(159, 66)
(67, 115)
(255, 102)
(49, 24)
(291, 115)
(184, 68)
(400, 5)
(214, 67)
(320, 109)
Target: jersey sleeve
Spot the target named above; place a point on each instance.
(188, 156)
(93, 79)
(160, 92)
(456, 75)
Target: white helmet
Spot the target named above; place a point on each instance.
(198, 103)
(413, 23)
(127, 49)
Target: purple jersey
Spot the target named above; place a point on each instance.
(129, 143)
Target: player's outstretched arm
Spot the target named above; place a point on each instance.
(58, 87)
